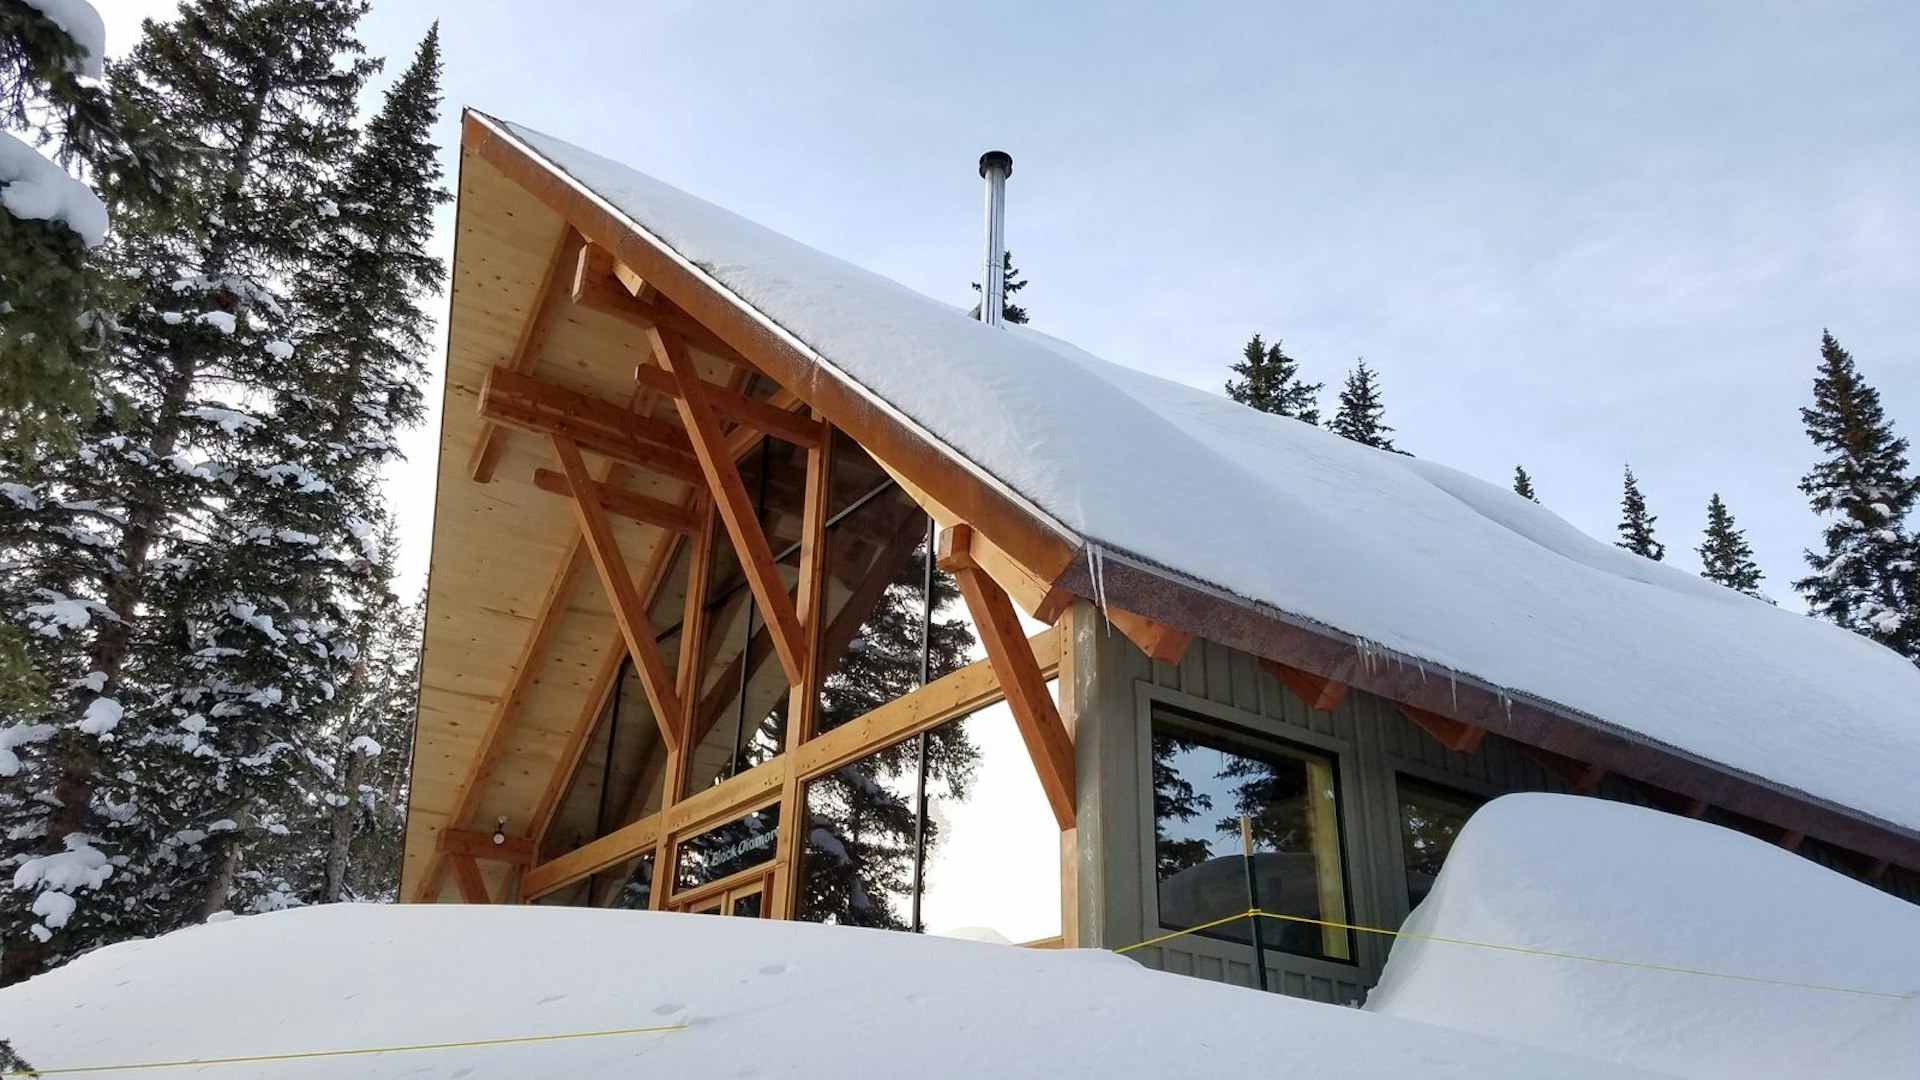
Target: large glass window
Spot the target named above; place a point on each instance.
(1430, 818)
(1204, 781)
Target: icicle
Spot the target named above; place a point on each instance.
(1097, 569)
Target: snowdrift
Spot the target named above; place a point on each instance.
(1593, 878)
(759, 999)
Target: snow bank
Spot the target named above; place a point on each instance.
(1413, 556)
(761, 999)
(1594, 878)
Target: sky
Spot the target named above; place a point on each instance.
(1572, 236)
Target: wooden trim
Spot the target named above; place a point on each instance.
(466, 875)
(1452, 734)
(884, 433)
(1317, 692)
(1034, 712)
(526, 353)
(739, 794)
(473, 844)
(628, 610)
(1159, 641)
(618, 846)
(622, 503)
(543, 408)
(731, 501)
(760, 873)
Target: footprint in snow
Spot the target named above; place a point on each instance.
(550, 999)
(773, 969)
(668, 1009)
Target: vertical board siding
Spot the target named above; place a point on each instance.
(1374, 744)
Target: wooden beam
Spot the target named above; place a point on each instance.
(738, 794)
(591, 857)
(1036, 595)
(952, 695)
(597, 286)
(526, 352)
(1459, 737)
(762, 416)
(1319, 693)
(1574, 773)
(544, 408)
(730, 501)
(473, 844)
(1158, 640)
(1790, 839)
(803, 700)
(635, 285)
(1034, 712)
(628, 610)
(622, 503)
(466, 875)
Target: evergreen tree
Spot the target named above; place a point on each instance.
(1636, 525)
(1009, 311)
(1269, 380)
(1523, 484)
(1361, 413)
(1725, 555)
(55, 318)
(194, 558)
(1866, 578)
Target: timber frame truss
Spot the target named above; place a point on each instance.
(718, 425)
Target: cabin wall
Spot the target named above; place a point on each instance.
(1373, 746)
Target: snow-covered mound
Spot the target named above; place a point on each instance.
(759, 999)
(1409, 555)
(1600, 879)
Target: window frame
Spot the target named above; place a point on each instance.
(1401, 778)
(1257, 733)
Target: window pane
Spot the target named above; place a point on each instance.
(993, 845)
(857, 869)
(1430, 817)
(1203, 783)
(874, 601)
(729, 849)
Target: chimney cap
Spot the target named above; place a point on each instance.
(996, 159)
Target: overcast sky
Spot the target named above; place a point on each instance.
(1567, 235)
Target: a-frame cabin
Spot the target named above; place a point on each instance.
(666, 425)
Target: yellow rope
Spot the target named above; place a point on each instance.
(308, 1054)
(1668, 968)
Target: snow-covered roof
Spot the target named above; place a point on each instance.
(1409, 557)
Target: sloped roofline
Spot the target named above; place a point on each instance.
(1056, 554)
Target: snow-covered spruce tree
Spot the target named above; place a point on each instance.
(55, 303)
(1523, 484)
(1269, 380)
(1866, 579)
(191, 556)
(1636, 525)
(1362, 415)
(1725, 555)
(1009, 311)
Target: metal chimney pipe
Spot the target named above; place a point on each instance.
(995, 167)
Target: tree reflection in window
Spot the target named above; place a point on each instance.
(1430, 818)
(1202, 782)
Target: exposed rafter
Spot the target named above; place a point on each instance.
(1319, 693)
(1158, 640)
(628, 610)
(597, 286)
(1034, 712)
(467, 877)
(1036, 595)
(1576, 774)
(533, 336)
(731, 502)
(762, 416)
(1459, 737)
(517, 850)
